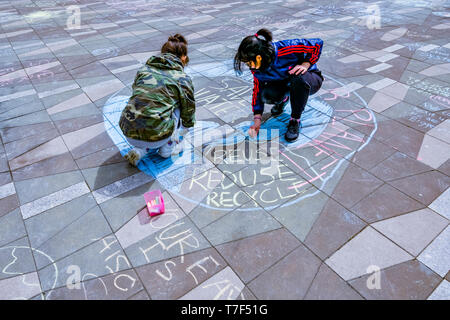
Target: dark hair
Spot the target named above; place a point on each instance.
(176, 45)
(258, 44)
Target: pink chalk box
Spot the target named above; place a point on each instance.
(155, 202)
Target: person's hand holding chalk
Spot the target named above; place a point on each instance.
(254, 129)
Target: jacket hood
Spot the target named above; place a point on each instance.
(165, 61)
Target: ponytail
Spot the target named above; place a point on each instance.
(266, 34)
(251, 46)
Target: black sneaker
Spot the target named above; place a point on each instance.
(278, 108)
(292, 130)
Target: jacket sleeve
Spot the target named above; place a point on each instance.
(305, 49)
(257, 103)
(187, 102)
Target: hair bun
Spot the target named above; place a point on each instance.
(177, 38)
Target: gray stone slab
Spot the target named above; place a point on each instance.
(121, 209)
(43, 227)
(105, 257)
(16, 258)
(442, 292)
(368, 248)
(104, 175)
(177, 239)
(80, 233)
(22, 287)
(436, 256)
(32, 189)
(442, 204)
(299, 214)
(11, 227)
(412, 231)
(241, 223)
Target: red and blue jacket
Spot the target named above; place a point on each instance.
(288, 53)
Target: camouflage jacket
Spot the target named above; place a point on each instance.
(159, 88)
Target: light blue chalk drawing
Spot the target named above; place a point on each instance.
(170, 172)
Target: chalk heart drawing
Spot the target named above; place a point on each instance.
(320, 130)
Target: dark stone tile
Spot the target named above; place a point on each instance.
(17, 133)
(18, 147)
(409, 280)
(117, 286)
(398, 166)
(69, 125)
(424, 187)
(356, 184)
(445, 168)
(106, 156)
(385, 202)
(372, 154)
(54, 165)
(8, 204)
(327, 285)
(334, 227)
(251, 256)
(142, 295)
(172, 278)
(289, 279)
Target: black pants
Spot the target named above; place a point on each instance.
(299, 87)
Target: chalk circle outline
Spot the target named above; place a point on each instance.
(115, 103)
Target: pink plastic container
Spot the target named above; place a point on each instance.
(155, 202)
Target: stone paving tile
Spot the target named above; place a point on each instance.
(50, 166)
(299, 215)
(385, 202)
(54, 84)
(11, 227)
(104, 175)
(117, 286)
(328, 286)
(355, 185)
(224, 285)
(442, 204)
(171, 279)
(409, 280)
(334, 226)
(121, 209)
(442, 292)
(252, 255)
(435, 257)
(397, 166)
(178, 238)
(372, 155)
(16, 258)
(366, 249)
(21, 287)
(52, 200)
(86, 229)
(433, 152)
(424, 187)
(8, 204)
(106, 256)
(412, 231)
(142, 295)
(142, 225)
(32, 189)
(43, 227)
(282, 281)
(243, 222)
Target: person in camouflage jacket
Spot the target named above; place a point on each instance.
(162, 95)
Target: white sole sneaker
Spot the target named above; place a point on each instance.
(134, 156)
